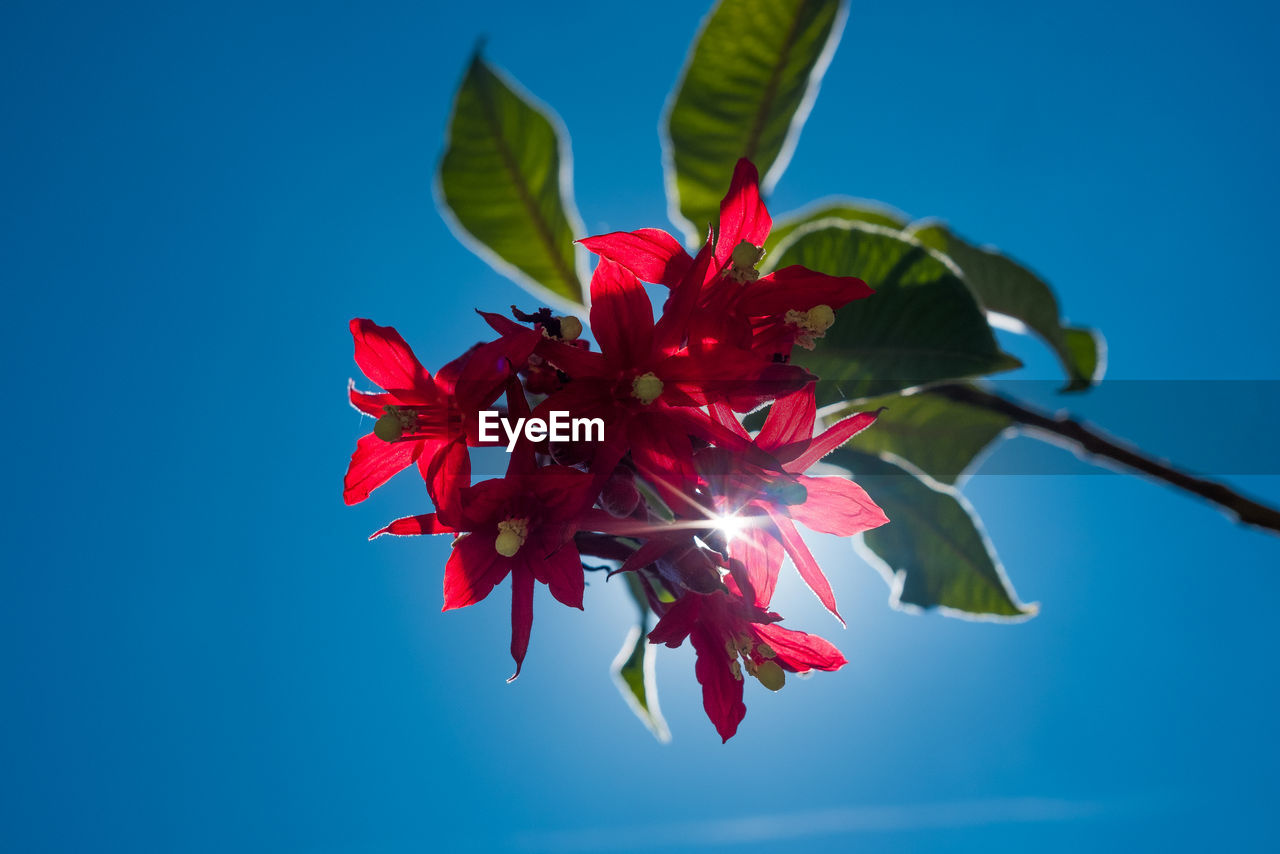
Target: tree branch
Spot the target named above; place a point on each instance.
(1088, 442)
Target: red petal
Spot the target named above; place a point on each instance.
(725, 417)
(743, 215)
(447, 469)
(700, 424)
(721, 690)
(562, 572)
(800, 288)
(799, 651)
(473, 570)
(521, 615)
(664, 457)
(621, 316)
(478, 506)
(502, 324)
(411, 526)
(674, 626)
(560, 490)
(485, 368)
(832, 438)
(837, 506)
(761, 554)
(574, 361)
(650, 253)
(369, 404)
(807, 566)
(374, 463)
(790, 421)
(673, 326)
(387, 360)
(649, 552)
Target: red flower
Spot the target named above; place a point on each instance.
(646, 385)
(731, 636)
(420, 418)
(666, 392)
(766, 504)
(769, 314)
(520, 525)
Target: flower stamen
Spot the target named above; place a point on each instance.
(394, 423)
(646, 388)
(771, 675)
(811, 325)
(742, 264)
(412, 422)
(511, 536)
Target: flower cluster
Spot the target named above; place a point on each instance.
(676, 491)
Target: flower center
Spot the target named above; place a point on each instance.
(511, 536)
(810, 325)
(742, 264)
(646, 388)
(394, 423)
(405, 423)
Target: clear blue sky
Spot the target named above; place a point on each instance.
(202, 653)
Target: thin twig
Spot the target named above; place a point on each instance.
(1089, 442)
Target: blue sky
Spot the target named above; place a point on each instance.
(202, 653)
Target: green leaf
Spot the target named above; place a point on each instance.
(750, 79)
(934, 552)
(633, 669)
(1087, 352)
(1006, 287)
(835, 207)
(940, 437)
(505, 187)
(922, 325)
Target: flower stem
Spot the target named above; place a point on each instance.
(1090, 443)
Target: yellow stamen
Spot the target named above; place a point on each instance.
(771, 675)
(570, 328)
(646, 388)
(394, 423)
(742, 264)
(812, 324)
(511, 536)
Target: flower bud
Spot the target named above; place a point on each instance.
(620, 497)
(692, 569)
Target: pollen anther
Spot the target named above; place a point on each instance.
(810, 325)
(570, 328)
(742, 264)
(394, 423)
(771, 675)
(646, 388)
(511, 536)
